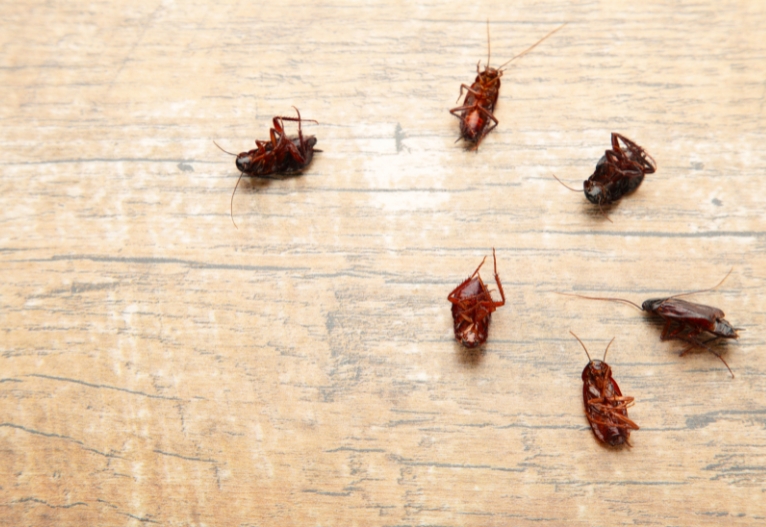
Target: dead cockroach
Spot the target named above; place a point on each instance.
(684, 320)
(605, 406)
(619, 172)
(477, 111)
(472, 307)
(279, 155)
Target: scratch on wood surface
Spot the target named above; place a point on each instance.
(102, 386)
(187, 458)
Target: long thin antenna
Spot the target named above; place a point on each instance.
(607, 349)
(222, 150)
(705, 290)
(604, 213)
(576, 190)
(231, 205)
(583, 345)
(533, 46)
(609, 299)
(489, 48)
(565, 185)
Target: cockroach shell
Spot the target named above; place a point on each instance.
(598, 382)
(705, 317)
(471, 324)
(677, 308)
(471, 290)
(604, 188)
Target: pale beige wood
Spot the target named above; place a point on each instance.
(159, 366)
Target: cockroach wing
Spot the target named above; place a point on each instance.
(682, 311)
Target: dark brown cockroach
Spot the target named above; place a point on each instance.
(476, 114)
(472, 307)
(619, 172)
(279, 155)
(605, 406)
(684, 320)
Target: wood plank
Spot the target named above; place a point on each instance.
(160, 366)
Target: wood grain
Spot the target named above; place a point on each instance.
(159, 366)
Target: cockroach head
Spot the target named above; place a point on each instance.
(596, 369)
(598, 365)
(490, 74)
(652, 304)
(244, 162)
(595, 192)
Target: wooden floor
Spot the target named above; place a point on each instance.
(160, 366)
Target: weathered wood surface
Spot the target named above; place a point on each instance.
(159, 366)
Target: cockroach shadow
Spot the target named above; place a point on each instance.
(469, 357)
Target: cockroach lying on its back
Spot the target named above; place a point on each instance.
(477, 111)
(605, 406)
(472, 308)
(619, 172)
(279, 155)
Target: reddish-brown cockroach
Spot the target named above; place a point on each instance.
(477, 111)
(280, 155)
(605, 406)
(472, 307)
(684, 320)
(619, 172)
